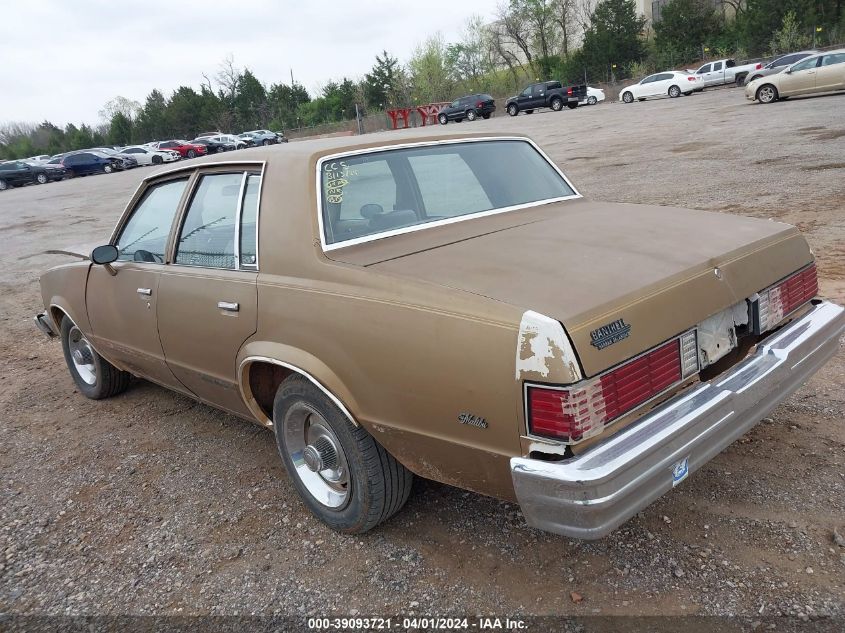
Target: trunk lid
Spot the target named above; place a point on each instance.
(590, 264)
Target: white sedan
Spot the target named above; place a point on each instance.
(594, 96)
(150, 156)
(671, 82)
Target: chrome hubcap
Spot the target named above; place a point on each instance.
(317, 456)
(82, 356)
(766, 94)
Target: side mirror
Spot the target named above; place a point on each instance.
(788, 71)
(105, 254)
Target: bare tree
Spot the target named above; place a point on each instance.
(120, 105)
(564, 14)
(228, 77)
(515, 33)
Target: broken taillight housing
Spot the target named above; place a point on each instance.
(571, 414)
(780, 300)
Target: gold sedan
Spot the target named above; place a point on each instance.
(824, 72)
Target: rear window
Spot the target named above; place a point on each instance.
(381, 193)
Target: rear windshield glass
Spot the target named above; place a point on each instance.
(376, 194)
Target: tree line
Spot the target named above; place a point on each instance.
(575, 41)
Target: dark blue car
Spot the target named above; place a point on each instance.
(85, 163)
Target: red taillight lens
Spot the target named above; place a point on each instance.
(479, 104)
(575, 413)
(569, 91)
(785, 297)
(758, 66)
(690, 78)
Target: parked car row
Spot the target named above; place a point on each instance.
(15, 173)
(819, 72)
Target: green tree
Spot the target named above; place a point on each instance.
(151, 123)
(120, 130)
(789, 37)
(183, 110)
(382, 83)
(614, 37)
(685, 26)
(284, 102)
(250, 103)
(429, 73)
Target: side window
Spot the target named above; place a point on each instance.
(807, 63)
(527, 92)
(249, 221)
(830, 60)
(648, 79)
(717, 66)
(539, 89)
(144, 236)
(369, 183)
(207, 237)
(439, 177)
(704, 69)
(730, 63)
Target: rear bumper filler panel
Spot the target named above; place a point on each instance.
(590, 495)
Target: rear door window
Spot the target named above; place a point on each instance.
(717, 66)
(836, 58)
(207, 237)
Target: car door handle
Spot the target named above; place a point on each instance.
(228, 306)
(146, 292)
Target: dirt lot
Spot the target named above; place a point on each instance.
(152, 504)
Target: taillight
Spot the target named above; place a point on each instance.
(690, 78)
(569, 91)
(785, 297)
(479, 104)
(758, 66)
(574, 413)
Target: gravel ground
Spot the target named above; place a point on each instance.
(150, 503)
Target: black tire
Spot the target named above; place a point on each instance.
(485, 116)
(513, 109)
(4, 185)
(674, 92)
(108, 380)
(767, 93)
(753, 78)
(458, 120)
(443, 119)
(42, 179)
(266, 142)
(529, 112)
(471, 115)
(157, 160)
(556, 104)
(378, 485)
(740, 79)
(627, 97)
(572, 105)
(191, 153)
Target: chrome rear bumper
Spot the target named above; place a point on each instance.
(591, 494)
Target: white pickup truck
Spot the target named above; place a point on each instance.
(725, 71)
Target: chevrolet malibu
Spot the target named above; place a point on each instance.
(822, 72)
(448, 307)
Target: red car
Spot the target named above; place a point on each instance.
(186, 149)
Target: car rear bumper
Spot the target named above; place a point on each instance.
(589, 495)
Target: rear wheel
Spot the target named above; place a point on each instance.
(442, 118)
(471, 115)
(42, 179)
(627, 97)
(485, 116)
(339, 470)
(767, 93)
(191, 153)
(557, 104)
(95, 377)
(674, 92)
(740, 79)
(592, 101)
(513, 110)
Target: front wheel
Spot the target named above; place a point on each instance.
(513, 110)
(339, 470)
(627, 97)
(471, 115)
(767, 94)
(557, 104)
(95, 377)
(443, 120)
(529, 112)
(3, 185)
(266, 142)
(107, 169)
(674, 92)
(157, 160)
(42, 179)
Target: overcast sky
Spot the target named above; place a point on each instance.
(62, 59)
